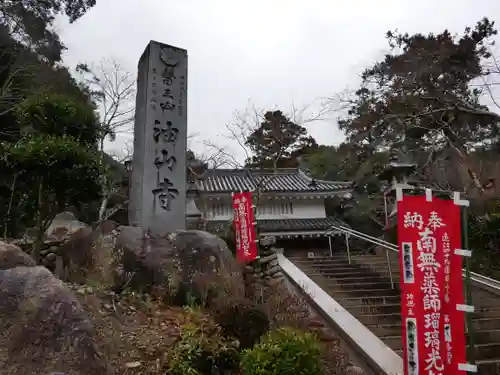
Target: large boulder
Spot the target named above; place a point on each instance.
(77, 255)
(63, 225)
(12, 256)
(185, 264)
(89, 255)
(44, 328)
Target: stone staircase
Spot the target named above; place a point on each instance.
(363, 287)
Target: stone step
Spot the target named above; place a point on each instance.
(483, 323)
(393, 342)
(374, 309)
(481, 338)
(341, 274)
(377, 258)
(370, 300)
(330, 269)
(333, 258)
(394, 328)
(349, 275)
(486, 336)
(353, 279)
(361, 270)
(332, 262)
(343, 293)
(390, 314)
(490, 317)
(385, 329)
(488, 312)
(483, 351)
(361, 284)
(378, 264)
(344, 263)
(482, 301)
(384, 284)
(489, 366)
(383, 271)
(380, 318)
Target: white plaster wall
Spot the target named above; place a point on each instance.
(309, 209)
(273, 210)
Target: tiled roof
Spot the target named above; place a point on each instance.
(283, 180)
(287, 225)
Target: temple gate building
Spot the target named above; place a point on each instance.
(291, 207)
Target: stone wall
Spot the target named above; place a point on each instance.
(49, 251)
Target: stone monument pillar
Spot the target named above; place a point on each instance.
(158, 183)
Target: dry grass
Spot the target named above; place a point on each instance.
(135, 333)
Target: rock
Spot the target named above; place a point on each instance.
(51, 257)
(354, 370)
(12, 256)
(267, 241)
(107, 227)
(79, 255)
(275, 282)
(272, 271)
(132, 364)
(187, 262)
(269, 258)
(63, 225)
(44, 328)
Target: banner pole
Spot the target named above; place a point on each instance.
(255, 201)
(467, 287)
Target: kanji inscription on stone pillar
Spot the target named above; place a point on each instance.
(158, 183)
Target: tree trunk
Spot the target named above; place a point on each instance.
(11, 199)
(37, 244)
(104, 205)
(463, 162)
(104, 182)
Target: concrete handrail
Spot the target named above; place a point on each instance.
(381, 358)
(480, 280)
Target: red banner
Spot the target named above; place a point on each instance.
(246, 246)
(431, 285)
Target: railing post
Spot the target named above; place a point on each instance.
(467, 286)
(330, 244)
(387, 256)
(347, 247)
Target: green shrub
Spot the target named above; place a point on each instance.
(203, 350)
(285, 351)
(241, 319)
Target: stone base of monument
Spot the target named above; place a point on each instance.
(184, 264)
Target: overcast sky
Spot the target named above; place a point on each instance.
(272, 53)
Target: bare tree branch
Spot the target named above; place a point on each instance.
(114, 89)
(12, 92)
